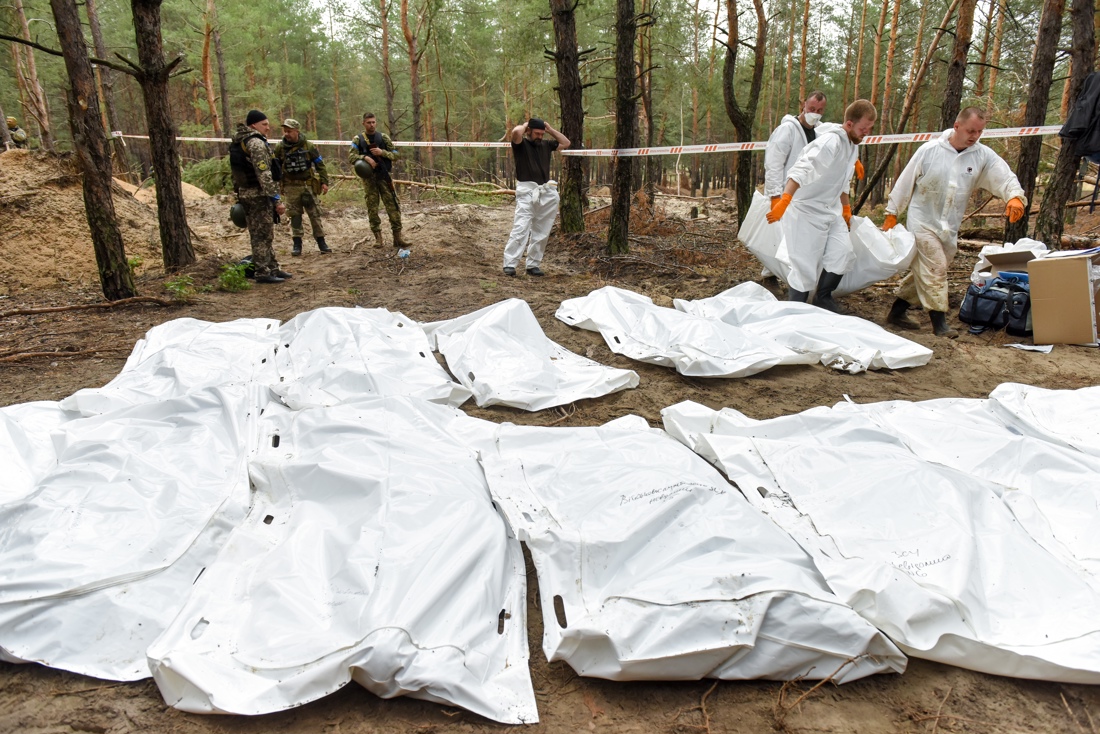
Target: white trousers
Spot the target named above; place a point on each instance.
(536, 209)
(816, 241)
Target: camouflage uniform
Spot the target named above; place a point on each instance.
(299, 160)
(18, 134)
(258, 193)
(376, 187)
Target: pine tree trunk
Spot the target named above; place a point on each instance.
(175, 236)
(387, 79)
(412, 43)
(1050, 222)
(859, 52)
(223, 82)
(956, 69)
(890, 49)
(38, 107)
(790, 52)
(996, 59)
(805, 49)
(878, 51)
(207, 68)
(90, 144)
(979, 85)
(107, 84)
(566, 58)
(626, 113)
(743, 115)
(1038, 96)
(5, 136)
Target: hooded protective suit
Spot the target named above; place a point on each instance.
(784, 146)
(935, 185)
(814, 228)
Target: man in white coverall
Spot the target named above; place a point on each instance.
(536, 194)
(816, 228)
(784, 145)
(936, 185)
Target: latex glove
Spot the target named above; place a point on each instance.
(860, 173)
(778, 207)
(847, 214)
(1014, 209)
(889, 223)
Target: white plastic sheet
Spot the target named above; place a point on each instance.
(982, 269)
(632, 325)
(182, 356)
(94, 559)
(331, 355)
(372, 552)
(879, 255)
(1066, 417)
(930, 555)
(846, 343)
(26, 446)
(502, 356)
(661, 570)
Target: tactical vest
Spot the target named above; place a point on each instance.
(244, 173)
(364, 144)
(296, 163)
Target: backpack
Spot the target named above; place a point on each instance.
(1002, 303)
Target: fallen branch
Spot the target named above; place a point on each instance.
(84, 306)
(597, 209)
(440, 187)
(702, 707)
(36, 355)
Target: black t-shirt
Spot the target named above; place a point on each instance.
(533, 159)
(810, 133)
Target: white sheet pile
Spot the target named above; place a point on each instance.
(945, 524)
(502, 355)
(846, 343)
(652, 567)
(256, 514)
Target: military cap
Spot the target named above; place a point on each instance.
(292, 124)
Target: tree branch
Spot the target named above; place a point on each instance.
(55, 52)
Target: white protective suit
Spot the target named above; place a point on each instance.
(935, 185)
(784, 146)
(536, 209)
(813, 225)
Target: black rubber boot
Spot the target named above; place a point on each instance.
(899, 317)
(324, 248)
(296, 250)
(800, 296)
(940, 326)
(826, 284)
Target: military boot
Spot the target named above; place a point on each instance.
(826, 284)
(899, 317)
(377, 234)
(400, 241)
(296, 249)
(940, 325)
(322, 246)
(798, 296)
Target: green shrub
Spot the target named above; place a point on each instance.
(211, 175)
(181, 288)
(233, 279)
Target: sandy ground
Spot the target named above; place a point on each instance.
(455, 269)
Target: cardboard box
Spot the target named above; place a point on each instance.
(1010, 262)
(1063, 299)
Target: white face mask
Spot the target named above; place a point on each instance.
(812, 118)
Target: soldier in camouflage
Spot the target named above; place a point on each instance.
(377, 150)
(251, 163)
(304, 177)
(18, 134)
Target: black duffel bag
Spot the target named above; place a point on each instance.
(999, 304)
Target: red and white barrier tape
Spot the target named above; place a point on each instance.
(1003, 132)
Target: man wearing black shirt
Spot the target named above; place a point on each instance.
(536, 194)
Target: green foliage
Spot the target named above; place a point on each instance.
(233, 279)
(212, 175)
(181, 287)
(134, 263)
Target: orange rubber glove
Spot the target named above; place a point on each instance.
(847, 214)
(889, 223)
(1014, 209)
(778, 207)
(775, 199)
(860, 173)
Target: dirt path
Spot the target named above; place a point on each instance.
(455, 269)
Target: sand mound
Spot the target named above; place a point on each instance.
(148, 195)
(44, 229)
